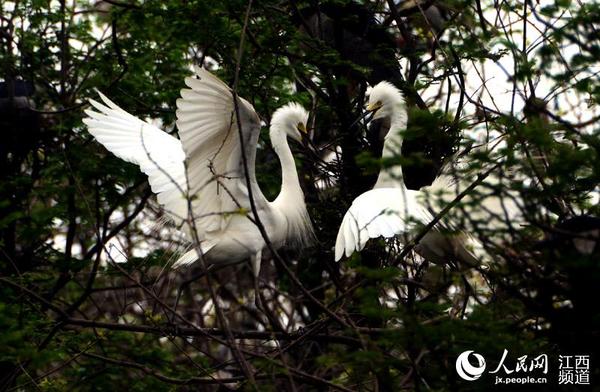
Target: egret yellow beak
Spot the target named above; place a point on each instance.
(373, 107)
(302, 128)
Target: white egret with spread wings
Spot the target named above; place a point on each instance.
(390, 209)
(206, 179)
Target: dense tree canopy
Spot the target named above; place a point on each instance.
(504, 89)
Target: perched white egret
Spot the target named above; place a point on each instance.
(200, 178)
(390, 209)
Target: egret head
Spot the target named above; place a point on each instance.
(384, 99)
(292, 120)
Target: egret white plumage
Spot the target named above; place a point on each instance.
(200, 179)
(390, 209)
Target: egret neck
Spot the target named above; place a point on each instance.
(290, 184)
(290, 201)
(391, 176)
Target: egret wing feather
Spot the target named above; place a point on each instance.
(158, 154)
(208, 129)
(381, 212)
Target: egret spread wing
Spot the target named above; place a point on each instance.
(381, 212)
(208, 130)
(158, 154)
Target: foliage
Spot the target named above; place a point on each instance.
(73, 319)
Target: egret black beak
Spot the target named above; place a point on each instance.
(373, 107)
(306, 142)
(310, 148)
(302, 128)
(304, 136)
